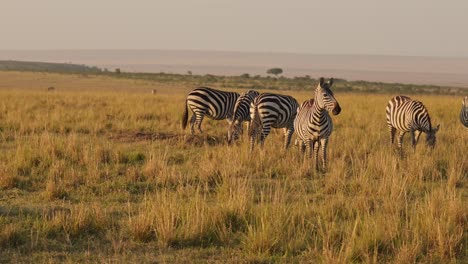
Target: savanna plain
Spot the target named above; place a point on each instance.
(99, 170)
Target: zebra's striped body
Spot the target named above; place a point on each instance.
(272, 110)
(313, 125)
(204, 101)
(464, 112)
(407, 115)
(241, 113)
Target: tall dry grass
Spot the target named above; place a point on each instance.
(110, 177)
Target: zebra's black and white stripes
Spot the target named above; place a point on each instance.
(272, 110)
(241, 114)
(464, 112)
(407, 115)
(204, 101)
(313, 125)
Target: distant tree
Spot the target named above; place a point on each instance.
(275, 71)
(117, 70)
(189, 72)
(245, 75)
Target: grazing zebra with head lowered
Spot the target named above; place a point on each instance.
(204, 101)
(313, 124)
(241, 114)
(464, 112)
(272, 110)
(407, 115)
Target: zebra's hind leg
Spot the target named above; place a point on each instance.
(265, 132)
(192, 123)
(253, 134)
(392, 133)
(199, 121)
(252, 141)
(287, 136)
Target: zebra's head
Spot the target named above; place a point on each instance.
(234, 130)
(325, 98)
(431, 137)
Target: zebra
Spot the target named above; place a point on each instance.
(241, 114)
(204, 101)
(272, 110)
(313, 125)
(407, 115)
(464, 112)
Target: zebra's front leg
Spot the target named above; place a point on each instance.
(316, 145)
(413, 140)
(324, 143)
(417, 133)
(303, 146)
(307, 145)
(400, 142)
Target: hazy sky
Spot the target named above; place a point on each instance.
(398, 27)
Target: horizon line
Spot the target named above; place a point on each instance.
(236, 51)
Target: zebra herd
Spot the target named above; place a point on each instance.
(311, 120)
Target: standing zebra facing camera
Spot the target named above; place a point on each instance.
(464, 112)
(313, 124)
(204, 101)
(272, 110)
(407, 115)
(241, 114)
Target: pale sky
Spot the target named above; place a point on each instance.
(397, 27)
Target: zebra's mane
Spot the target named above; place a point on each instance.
(421, 105)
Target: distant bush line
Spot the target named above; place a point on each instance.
(244, 81)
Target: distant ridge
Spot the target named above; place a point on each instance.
(444, 71)
(47, 67)
(244, 81)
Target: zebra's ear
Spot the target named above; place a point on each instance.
(436, 129)
(322, 81)
(330, 82)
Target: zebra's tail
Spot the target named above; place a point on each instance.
(185, 116)
(256, 122)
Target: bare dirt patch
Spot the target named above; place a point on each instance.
(143, 136)
(194, 140)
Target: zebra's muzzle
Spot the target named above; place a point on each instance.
(336, 109)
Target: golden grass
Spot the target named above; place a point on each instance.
(93, 173)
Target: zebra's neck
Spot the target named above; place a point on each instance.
(319, 112)
(424, 123)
